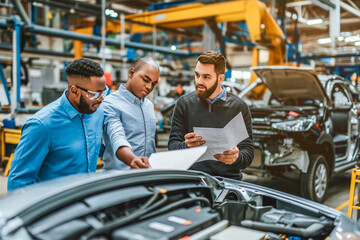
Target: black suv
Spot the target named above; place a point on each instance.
(305, 128)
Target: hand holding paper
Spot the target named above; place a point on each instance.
(219, 140)
(228, 157)
(191, 140)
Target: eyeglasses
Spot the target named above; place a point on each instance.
(94, 95)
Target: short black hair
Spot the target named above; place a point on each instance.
(145, 60)
(83, 67)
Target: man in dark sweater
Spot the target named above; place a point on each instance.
(211, 106)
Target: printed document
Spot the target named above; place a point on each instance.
(219, 140)
(181, 159)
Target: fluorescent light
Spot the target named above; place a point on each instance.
(111, 13)
(314, 21)
(357, 43)
(36, 4)
(352, 39)
(340, 38)
(324, 40)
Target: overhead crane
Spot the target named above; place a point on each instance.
(259, 21)
(253, 12)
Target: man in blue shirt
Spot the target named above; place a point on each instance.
(130, 123)
(64, 137)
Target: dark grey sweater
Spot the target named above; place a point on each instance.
(191, 112)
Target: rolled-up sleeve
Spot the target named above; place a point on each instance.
(114, 129)
(29, 155)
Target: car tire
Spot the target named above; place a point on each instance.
(315, 182)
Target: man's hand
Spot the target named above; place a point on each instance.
(228, 157)
(139, 162)
(126, 155)
(191, 140)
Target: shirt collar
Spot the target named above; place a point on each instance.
(69, 109)
(222, 96)
(129, 96)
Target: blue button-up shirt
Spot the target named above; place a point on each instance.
(56, 141)
(129, 121)
(222, 96)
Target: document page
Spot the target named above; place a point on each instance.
(181, 159)
(219, 140)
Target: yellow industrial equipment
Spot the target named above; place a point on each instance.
(355, 178)
(263, 28)
(8, 136)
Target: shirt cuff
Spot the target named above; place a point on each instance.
(120, 143)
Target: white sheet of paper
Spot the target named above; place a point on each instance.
(177, 159)
(219, 140)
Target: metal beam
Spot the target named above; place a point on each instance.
(3, 80)
(345, 55)
(169, 29)
(31, 52)
(334, 25)
(97, 39)
(21, 11)
(323, 4)
(92, 11)
(219, 37)
(16, 82)
(353, 4)
(349, 8)
(300, 3)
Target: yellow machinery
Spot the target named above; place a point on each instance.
(355, 178)
(252, 11)
(259, 21)
(8, 136)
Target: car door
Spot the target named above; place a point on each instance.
(345, 124)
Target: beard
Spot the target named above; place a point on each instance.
(207, 92)
(84, 107)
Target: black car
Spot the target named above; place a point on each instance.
(167, 204)
(305, 128)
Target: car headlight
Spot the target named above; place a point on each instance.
(299, 125)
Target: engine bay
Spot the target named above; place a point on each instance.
(188, 210)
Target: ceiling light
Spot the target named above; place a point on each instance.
(340, 38)
(36, 4)
(352, 39)
(324, 40)
(173, 47)
(288, 14)
(111, 13)
(314, 21)
(357, 43)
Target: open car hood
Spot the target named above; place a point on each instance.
(162, 204)
(292, 83)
